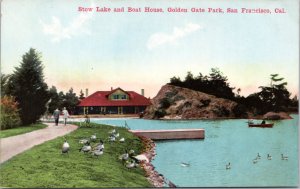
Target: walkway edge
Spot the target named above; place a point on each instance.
(11, 146)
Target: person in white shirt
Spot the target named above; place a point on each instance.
(65, 114)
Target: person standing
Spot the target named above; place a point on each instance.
(66, 115)
(56, 116)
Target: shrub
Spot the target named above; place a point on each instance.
(9, 116)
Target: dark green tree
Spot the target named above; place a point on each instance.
(81, 95)
(70, 101)
(275, 97)
(4, 81)
(56, 100)
(28, 86)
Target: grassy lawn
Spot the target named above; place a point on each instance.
(21, 130)
(45, 167)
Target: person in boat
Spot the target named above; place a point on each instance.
(250, 121)
(263, 122)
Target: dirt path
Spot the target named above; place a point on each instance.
(14, 145)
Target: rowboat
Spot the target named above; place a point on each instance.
(261, 125)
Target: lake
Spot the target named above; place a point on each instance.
(225, 141)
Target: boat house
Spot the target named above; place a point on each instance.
(116, 101)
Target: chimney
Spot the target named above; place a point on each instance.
(142, 92)
(86, 92)
(111, 88)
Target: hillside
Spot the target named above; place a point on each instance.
(174, 102)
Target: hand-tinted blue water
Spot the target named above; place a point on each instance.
(225, 141)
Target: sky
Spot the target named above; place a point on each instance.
(139, 50)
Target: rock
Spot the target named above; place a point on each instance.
(173, 102)
(276, 116)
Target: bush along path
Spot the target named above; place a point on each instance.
(45, 166)
(14, 145)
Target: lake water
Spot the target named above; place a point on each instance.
(225, 141)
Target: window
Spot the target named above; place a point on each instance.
(123, 97)
(115, 96)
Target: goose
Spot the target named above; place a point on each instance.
(130, 164)
(258, 156)
(83, 141)
(183, 164)
(93, 137)
(99, 146)
(131, 152)
(112, 138)
(228, 166)
(97, 152)
(116, 135)
(269, 157)
(124, 156)
(65, 147)
(112, 131)
(122, 139)
(284, 157)
(86, 148)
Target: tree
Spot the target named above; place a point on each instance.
(70, 101)
(28, 86)
(4, 80)
(81, 95)
(9, 115)
(56, 99)
(275, 97)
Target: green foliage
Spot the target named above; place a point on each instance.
(44, 166)
(60, 100)
(9, 116)
(214, 84)
(4, 79)
(276, 97)
(21, 130)
(70, 101)
(28, 86)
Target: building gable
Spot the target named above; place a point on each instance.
(118, 94)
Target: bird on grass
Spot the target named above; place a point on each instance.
(97, 153)
(228, 166)
(130, 164)
(124, 157)
(122, 139)
(83, 141)
(93, 137)
(284, 157)
(112, 138)
(65, 147)
(86, 148)
(99, 146)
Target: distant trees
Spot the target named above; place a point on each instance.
(27, 85)
(215, 83)
(274, 97)
(60, 100)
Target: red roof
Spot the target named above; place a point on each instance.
(100, 98)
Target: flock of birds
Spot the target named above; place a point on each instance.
(128, 158)
(258, 157)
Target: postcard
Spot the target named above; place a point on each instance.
(149, 93)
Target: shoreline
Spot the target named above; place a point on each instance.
(155, 178)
